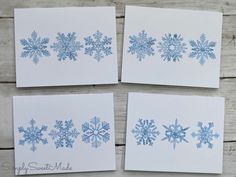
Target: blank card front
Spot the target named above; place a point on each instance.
(172, 47)
(170, 133)
(65, 46)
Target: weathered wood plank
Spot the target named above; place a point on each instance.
(226, 6)
(229, 170)
(7, 60)
(227, 90)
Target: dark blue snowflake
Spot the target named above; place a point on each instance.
(205, 134)
(172, 47)
(33, 135)
(145, 132)
(202, 49)
(175, 133)
(64, 134)
(98, 45)
(66, 46)
(35, 47)
(141, 45)
(95, 132)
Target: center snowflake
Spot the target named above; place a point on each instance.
(141, 45)
(205, 134)
(65, 134)
(95, 132)
(145, 132)
(98, 45)
(66, 46)
(175, 133)
(33, 135)
(172, 47)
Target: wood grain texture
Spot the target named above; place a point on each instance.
(227, 82)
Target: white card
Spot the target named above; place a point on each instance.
(64, 133)
(65, 46)
(172, 47)
(174, 133)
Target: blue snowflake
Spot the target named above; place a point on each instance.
(98, 45)
(33, 135)
(95, 132)
(141, 45)
(175, 133)
(202, 49)
(172, 47)
(64, 134)
(145, 132)
(35, 47)
(205, 134)
(66, 46)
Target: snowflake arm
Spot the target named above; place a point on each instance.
(32, 135)
(202, 49)
(95, 132)
(66, 46)
(145, 132)
(141, 45)
(98, 46)
(205, 135)
(34, 47)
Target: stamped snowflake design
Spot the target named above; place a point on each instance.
(35, 47)
(67, 46)
(172, 47)
(95, 132)
(98, 46)
(141, 45)
(202, 49)
(205, 135)
(32, 135)
(64, 134)
(145, 132)
(175, 133)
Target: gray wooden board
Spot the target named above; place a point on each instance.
(227, 82)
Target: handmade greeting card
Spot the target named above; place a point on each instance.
(63, 133)
(174, 133)
(65, 46)
(172, 47)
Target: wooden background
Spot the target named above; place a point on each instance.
(227, 80)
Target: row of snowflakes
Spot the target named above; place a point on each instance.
(145, 132)
(95, 133)
(171, 47)
(98, 46)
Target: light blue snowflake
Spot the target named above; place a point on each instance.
(202, 49)
(172, 47)
(175, 133)
(34, 47)
(66, 46)
(141, 45)
(95, 132)
(145, 132)
(33, 135)
(64, 134)
(98, 45)
(205, 134)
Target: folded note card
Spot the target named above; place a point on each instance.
(172, 47)
(64, 133)
(174, 133)
(65, 46)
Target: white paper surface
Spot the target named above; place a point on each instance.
(158, 22)
(81, 157)
(164, 110)
(47, 23)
